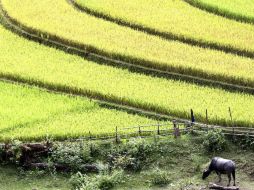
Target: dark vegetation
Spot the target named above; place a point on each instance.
(155, 161)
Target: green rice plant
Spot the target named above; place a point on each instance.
(58, 18)
(36, 64)
(177, 18)
(30, 114)
(240, 10)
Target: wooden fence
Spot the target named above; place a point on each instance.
(166, 129)
(173, 128)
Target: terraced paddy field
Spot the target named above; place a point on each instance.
(236, 9)
(178, 18)
(72, 69)
(52, 68)
(30, 114)
(70, 26)
(35, 64)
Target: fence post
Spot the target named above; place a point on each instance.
(230, 114)
(206, 116)
(192, 116)
(175, 132)
(231, 118)
(158, 129)
(90, 136)
(116, 135)
(178, 131)
(139, 131)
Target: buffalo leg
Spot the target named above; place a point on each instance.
(229, 178)
(219, 175)
(233, 174)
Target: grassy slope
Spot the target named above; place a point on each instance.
(179, 18)
(183, 172)
(78, 27)
(185, 160)
(29, 113)
(238, 9)
(10, 179)
(50, 66)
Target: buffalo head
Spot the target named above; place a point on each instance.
(206, 173)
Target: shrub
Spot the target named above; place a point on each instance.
(247, 142)
(130, 156)
(126, 162)
(78, 179)
(95, 149)
(71, 155)
(159, 177)
(214, 141)
(103, 181)
(139, 148)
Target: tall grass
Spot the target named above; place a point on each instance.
(58, 18)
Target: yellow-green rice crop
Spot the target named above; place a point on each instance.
(59, 18)
(30, 113)
(242, 10)
(179, 18)
(30, 61)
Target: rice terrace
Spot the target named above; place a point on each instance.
(136, 94)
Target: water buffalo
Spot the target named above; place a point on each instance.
(221, 166)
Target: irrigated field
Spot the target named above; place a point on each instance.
(33, 113)
(58, 18)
